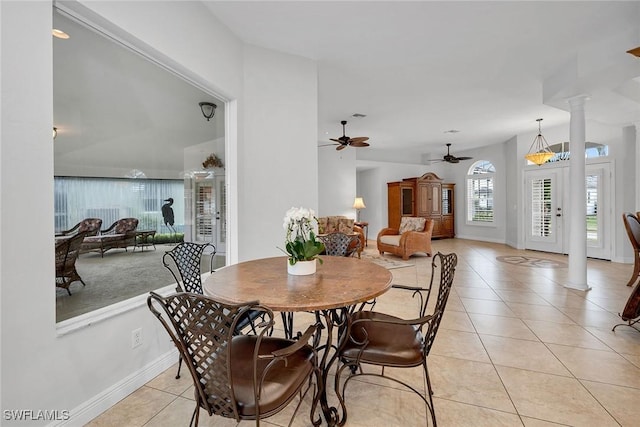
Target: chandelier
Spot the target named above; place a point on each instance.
(539, 152)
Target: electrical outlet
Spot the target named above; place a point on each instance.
(136, 338)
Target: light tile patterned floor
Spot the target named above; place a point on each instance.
(515, 348)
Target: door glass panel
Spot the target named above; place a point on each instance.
(407, 201)
(592, 208)
(541, 207)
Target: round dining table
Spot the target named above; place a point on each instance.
(332, 293)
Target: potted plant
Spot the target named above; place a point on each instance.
(301, 244)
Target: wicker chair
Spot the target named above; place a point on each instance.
(89, 226)
(409, 239)
(632, 225)
(388, 341)
(244, 377)
(184, 262)
(120, 234)
(340, 244)
(67, 250)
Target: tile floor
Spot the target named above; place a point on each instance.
(515, 348)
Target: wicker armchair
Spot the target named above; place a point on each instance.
(244, 377)
(413, 236)
(88, 226)
(383, 340)
(67, 250)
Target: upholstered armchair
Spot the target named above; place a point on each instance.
(342, 224)
(413, 236)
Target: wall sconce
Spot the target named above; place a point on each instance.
(208, 109)
(55, 132)
(539, 152)
(358, 204)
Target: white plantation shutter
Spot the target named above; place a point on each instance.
(480, 192)
(541, 207)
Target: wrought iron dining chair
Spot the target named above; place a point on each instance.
(184, 262)
(67, 251)
(383, 340)
(244, 377)
(340, 244)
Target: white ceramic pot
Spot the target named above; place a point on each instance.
(301, 268)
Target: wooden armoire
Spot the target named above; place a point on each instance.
(426, 196)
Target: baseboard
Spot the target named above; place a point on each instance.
(86, 411)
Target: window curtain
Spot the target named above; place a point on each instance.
(112, 198)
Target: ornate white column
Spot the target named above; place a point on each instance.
(577, 199)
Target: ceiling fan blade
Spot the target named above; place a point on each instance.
(359, 144)
(464, 158)
(435, 160)
(341, 147)
(335, 140)
(326, 145)
(358, 139)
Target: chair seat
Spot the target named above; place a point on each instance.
(389, 345)
(390, 239)
(281, 381)
(104, 238)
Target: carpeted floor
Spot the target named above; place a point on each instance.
(118, 276)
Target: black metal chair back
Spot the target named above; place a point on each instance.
(340, 244)
(187, 260)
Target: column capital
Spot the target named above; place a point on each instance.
(578, 100)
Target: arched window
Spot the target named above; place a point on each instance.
(480, 192)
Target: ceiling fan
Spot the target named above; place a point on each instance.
(449, 158)
(345, 141)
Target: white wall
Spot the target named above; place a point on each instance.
(278, 161)
(337, 182)
(85, 370)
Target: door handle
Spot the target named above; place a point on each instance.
(558, 214)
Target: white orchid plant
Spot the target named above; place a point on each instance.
(301, 243)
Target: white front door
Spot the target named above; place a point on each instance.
(544, 214)
(547, 192)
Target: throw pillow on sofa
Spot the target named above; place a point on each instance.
(410, 223)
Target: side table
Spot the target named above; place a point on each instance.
(142, 239)
(365, 226)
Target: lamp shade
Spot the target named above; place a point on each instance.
(358, 203)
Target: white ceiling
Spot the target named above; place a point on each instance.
(116, 111)
(420, 68)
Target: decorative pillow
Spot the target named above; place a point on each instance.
(345, 225)
(332, 224)
(322, 225)
(412, 223)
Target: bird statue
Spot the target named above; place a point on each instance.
(167, 215)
